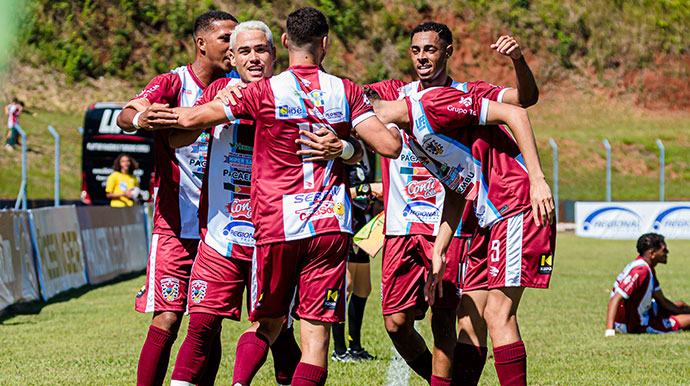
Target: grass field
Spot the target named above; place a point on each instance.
(92, 336)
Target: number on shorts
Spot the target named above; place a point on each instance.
(495, 250)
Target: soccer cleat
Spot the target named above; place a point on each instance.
(360, 355)
(345, 357)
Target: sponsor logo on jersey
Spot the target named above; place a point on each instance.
(240, 232)
(240, 161)
(366, 99)
(420, 124)
(465, 101)
(432, 146)
(334, 114)
(321, 209)
(142, 292)
(290, 112)
(316, 196)
(185, 91)
(240, 208)
(240, 189)
(238, 175)
(170, 288)
(198, 290)
(145, 92)
(330, 301)
(423, 189)
(420, 211)
(545, 264)
(241, 146)
(408, 157)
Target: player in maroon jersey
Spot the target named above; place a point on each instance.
(300, 209)
(431, 46)
(637, 304)
(486, 166)
(178, 179)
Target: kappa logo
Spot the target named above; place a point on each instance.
(493, 271)
(545, 264)
(331, 299)
(141, 292)
(433, 146)
(170, 288)
(465, 101)
(198, 290)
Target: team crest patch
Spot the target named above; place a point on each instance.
(170, 288)
(545, 264)
(432, 146)
(198, 290)
(331, 299)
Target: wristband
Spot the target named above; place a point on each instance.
(135, 120)
(392, 125)
(610, 332)
(348, 150)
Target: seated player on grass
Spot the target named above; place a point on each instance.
(637, 304)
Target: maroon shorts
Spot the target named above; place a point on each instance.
(316, 266)
(167, 274)
(458, 251)
(405, 265)
(512, 253)
(217, 283)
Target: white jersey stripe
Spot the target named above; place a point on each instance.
(151, 291)
(514, 251)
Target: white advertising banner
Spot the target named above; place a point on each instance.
(17, 273)
(629, 220)
(114, 241)
(58, 249)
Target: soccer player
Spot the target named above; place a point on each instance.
(637, 304)
(177, 184)
(506, 185)
(300, 209)
(413, 200)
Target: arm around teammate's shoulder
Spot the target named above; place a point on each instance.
(383, 140)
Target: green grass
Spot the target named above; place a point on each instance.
(93, 337)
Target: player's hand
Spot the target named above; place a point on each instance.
(157, 116)
(434, 280)
(543, 208)
(508, 46)
(139, 104)
(229, 95)
(324, 144)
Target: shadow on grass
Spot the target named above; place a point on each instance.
(34, 307)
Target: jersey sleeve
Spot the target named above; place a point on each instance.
(248, 106)
(162, 88)
(447, 109)
(634, 280)
(487, 90)
(388, 89)
(212, 90)
(360, 108)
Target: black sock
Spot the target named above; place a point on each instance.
(422, 365)
(355, 314)
(339, 338)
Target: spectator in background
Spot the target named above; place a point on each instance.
(12, 111)
(637, 304)
(122, 186)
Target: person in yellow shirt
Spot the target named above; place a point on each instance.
(122, 187)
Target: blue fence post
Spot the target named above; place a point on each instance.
(662, 165)
(57, 164)
(607, 145)
(555, 174)
(21, 196)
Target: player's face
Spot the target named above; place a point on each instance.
(253, 56)
(125, 164)
(429, 55)
(661, 254)
(218, 44)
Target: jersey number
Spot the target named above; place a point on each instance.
(495, 250)
(308, 167)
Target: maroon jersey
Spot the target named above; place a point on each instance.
(292, 199)
(483, 164)
(636, 284)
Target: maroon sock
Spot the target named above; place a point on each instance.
(252, 349)
(309, 375)
(439, 381)
(286, 356)
(208, 377)
(192, 359)
(422, 365)
(468, 363)
(154, 358)
(511, 364)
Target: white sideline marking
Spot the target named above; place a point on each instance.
(398, 370)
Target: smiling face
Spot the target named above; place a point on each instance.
(216, 44)
(429, 54)
(253, 55)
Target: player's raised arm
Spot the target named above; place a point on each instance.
(527, 93)
(201, 117)
(383, 140)
(518, 121)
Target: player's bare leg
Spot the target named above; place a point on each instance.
(252, 349)
(443, 329)
(470, 350)
(500, 314)
(408, 342)
(313, 367)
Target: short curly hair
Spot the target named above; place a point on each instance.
(441, 29)
(649, 241)
(306, 25)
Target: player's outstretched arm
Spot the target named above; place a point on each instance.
(453, 205)
(383, 140)
(148, 116)
(517, 120)
(527, 92)
(200, 117)
(673, 308)
(611, 311)
(182, 138)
